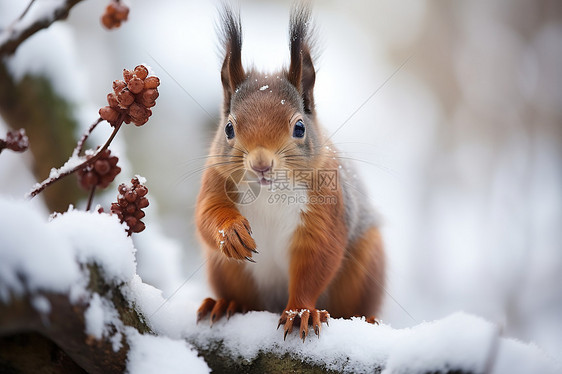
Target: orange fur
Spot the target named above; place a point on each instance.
(335, 253)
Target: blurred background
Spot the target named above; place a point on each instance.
(451, 110)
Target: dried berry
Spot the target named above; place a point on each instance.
(115, 14)
(151, 82)
(132, 98)
(130, 201)
(16, 141)
(109, 114)
(100, 173)
(141, 72)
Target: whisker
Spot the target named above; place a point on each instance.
(193, 159)
(184, 177)
(378, 166)
(285, 148)
(241, 150)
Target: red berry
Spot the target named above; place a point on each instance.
(135, 85)
(141, 72)
(142, 202)
(141, 190)
(102, 167)
(125, 98)
(140, 226)
(109, 114)
(131, 196)
(127, 75)
(131, 208)
(151, 82)
(119, 85)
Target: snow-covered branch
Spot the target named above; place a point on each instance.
(31, 22)
(74, 282)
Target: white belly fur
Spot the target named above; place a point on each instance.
(273, 225)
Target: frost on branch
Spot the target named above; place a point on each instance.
(130, 101)
(44, 14)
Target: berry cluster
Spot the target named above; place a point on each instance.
(115, 13)
(130, 202)
(100, 173)
(131, 98)
(16, 141)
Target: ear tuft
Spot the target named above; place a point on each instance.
(232, 72)
(301, 72)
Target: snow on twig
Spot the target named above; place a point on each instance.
(24, 27)
(74, 163)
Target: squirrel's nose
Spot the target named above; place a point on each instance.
(261, 167)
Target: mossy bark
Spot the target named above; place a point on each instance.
(33, 104)
(57, 343)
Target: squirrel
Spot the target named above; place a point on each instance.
(301, 240)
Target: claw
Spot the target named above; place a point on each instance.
(206, 306)
(316, 322)
(304, 315)
(288, 326)
(304, 319)
(232, 307)
(218, 310)
(250, 259)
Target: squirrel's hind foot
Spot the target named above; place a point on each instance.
(217, 309)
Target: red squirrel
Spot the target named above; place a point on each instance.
(306, 244)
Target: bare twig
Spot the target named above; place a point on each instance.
(91, 197)
(47, 182)
(80, 144)
(11, 27)
(17, 36)
(26, 10)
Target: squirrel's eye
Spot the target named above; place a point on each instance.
(229, 130)
(298, 130)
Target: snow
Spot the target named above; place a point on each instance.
(263, 88)
(158, 354)
(142, 180)
(100, 317)
(459, 341)
(42, 261)
(516, 357)
(70, 164)
(41, 304)
(40, 10)
(98, 238)
(463, 232)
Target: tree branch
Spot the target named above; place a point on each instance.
(62, 172)
(65, 327)
(12, 37)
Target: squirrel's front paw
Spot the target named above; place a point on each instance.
(303, 317)
(235, 240)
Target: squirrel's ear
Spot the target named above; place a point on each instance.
(301, 72)
(232, 72)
